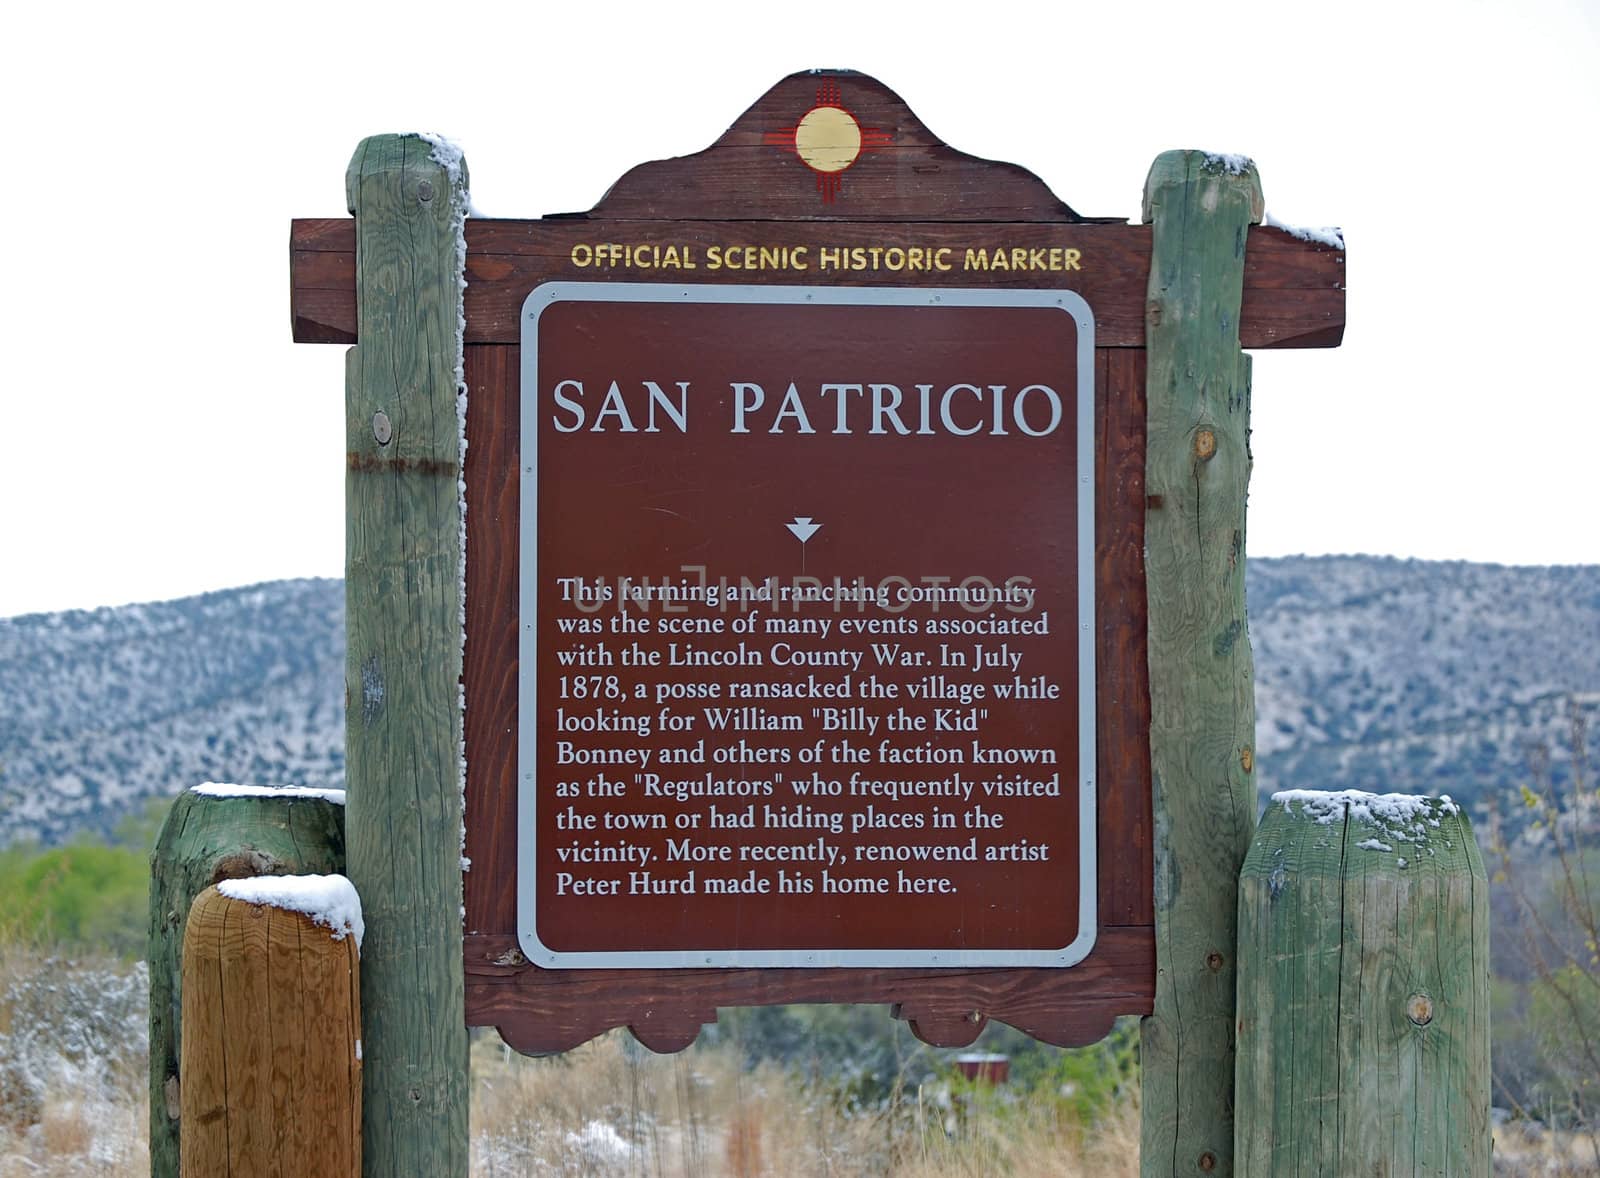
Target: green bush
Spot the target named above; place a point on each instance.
(81, 897)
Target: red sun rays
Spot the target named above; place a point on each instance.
(828, 139)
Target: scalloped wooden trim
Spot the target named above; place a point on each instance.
(541, 1011)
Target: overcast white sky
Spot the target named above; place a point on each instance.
(163, 436)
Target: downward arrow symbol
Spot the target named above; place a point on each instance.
(803, 528)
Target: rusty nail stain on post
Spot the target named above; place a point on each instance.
(1420, 1009)
(1208, 1161)
(1213, 961)
(425, 190)
(1247, 758)
(382, 431)
(1205, 444)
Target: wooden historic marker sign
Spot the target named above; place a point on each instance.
(807, 590)
(829, 242)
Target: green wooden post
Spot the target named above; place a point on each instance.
(1202, 728)
(1363, 990)
(208, 837)
(403, 666)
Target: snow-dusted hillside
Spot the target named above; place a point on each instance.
(1371, 673)
(1419, 676)
(101, 709)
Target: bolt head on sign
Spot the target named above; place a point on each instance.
(806, 672)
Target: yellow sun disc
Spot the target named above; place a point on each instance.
(828, 139)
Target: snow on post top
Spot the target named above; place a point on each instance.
(1394, 818)
(447, 154)
(329, 900)
(1230, 162)
(1394, 809)
(217, 789)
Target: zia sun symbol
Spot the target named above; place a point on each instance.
(828, 140)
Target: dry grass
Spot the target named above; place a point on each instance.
(1525, 1150)
(1030, 1141)
(72, 1104)
(613, 1110)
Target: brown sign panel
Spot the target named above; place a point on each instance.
(806, 655)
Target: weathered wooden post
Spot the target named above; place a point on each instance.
(214, 833)
(403, 598)
(272, 1058)
(1202, 706)
(1363, 989)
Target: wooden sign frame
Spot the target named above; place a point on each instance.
(909, 190)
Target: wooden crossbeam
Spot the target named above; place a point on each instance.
(1294, 290)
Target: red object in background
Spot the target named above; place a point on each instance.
(984, 1068)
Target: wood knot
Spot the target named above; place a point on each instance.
(1247, 758)
(1208, 1161)
(975, 1017)
(1419, 1009)
(1205, 444)
(1214, 961)
(245, 864)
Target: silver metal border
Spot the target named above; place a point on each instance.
(533, 307)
